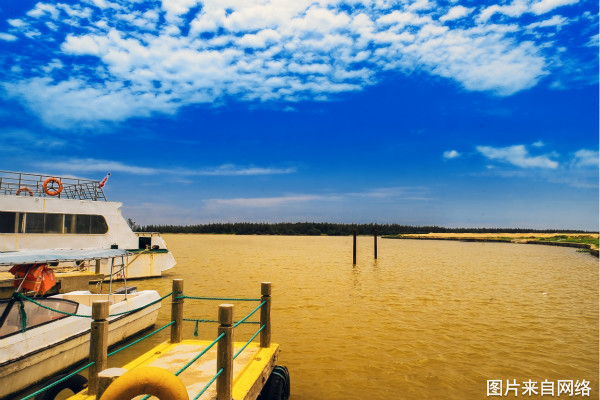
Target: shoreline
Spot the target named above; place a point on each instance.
(516, 238)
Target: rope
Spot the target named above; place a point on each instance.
(141, 308)
(32, 395)
(20, 296)
(208, 384)
(140, 339)
(249, 341)
(23, 315)
(215, 321)
(249, 315)
(214, 298)
(201, 354)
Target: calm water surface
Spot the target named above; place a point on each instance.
(427, 320)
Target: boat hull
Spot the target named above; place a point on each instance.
(46, 356)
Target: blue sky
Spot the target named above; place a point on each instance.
(460, 114)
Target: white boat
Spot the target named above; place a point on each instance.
(46, 342)
(50, 213)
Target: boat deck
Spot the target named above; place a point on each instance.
(65, 282)
(250, 370)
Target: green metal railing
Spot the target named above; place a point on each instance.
(21, 297)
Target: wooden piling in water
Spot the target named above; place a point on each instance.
(375, 243)
(225, 353)
(354, 248)
(265, 314)
(98, 342)
(177, 312)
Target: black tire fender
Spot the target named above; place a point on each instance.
(277, 386)
(75, 383)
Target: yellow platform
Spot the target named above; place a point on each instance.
(251, 368)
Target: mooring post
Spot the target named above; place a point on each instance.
(98, 343)
(354, 249)
(177, 311)
(375, 242)
(265, 314)
(97, 268)
(225, 353)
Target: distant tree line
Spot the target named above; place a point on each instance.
(325, 228)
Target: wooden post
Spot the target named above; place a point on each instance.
(98, 342)
(97, 269)
(354, 249)
(265, 314)
(375, 242)
(225, 353)
(106, 377)
(177, 312)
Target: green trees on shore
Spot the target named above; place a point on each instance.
(325, 228)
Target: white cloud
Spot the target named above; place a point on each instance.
(450, 154)
(555, 21)
(7, 37)
(455, 13)
(17, 23)
(381, 194)
(262, 202)
(517, 155)
(75, 165)
(150, 59)
(545, 6)
(18, 139)
(585, 158)
(515, 9)
(519, 7)
(594, 41)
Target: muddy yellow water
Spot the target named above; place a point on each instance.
(427, 320)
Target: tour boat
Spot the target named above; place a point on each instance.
(41, 214)
(42, 336)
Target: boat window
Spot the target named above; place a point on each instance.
(69, 223)
(53, 223)
(34, 223)
(98, 224)
(14, 222)
(36, 315)
(7, 222)
(83, 224)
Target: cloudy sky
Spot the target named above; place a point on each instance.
(446, 112)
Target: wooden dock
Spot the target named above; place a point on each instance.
(251, 369)
(196, 369)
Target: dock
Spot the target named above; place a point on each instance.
(251, 369)
(183, 369)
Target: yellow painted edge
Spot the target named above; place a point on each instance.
(253, 370)
(242, 382)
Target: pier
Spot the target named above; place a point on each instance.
(220, 369)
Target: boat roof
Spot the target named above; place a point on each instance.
(26, 184)
(8, 259)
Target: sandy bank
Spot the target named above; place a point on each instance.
(550, 239)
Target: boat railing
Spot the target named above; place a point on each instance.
(26, 184)
(223, 341)
(147, 234)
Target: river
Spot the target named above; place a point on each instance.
(427, 320)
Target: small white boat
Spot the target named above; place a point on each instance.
(37, 347)
(50, 213)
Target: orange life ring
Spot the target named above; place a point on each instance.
(51, 192)
(24, 189)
